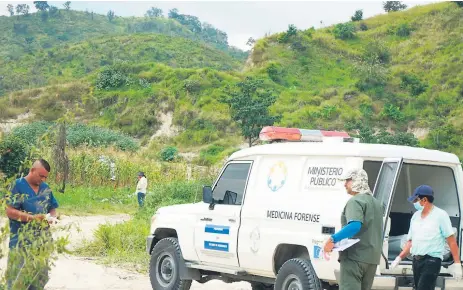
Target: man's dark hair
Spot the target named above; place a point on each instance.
(429, 198)
(45, 164)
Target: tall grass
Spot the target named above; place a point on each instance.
(124, 244)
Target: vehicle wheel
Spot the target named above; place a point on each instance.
(164, 266)
(261, 286)
(297, 274)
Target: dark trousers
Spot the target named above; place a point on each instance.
(426, 269)
(356, 275)
(141, 199)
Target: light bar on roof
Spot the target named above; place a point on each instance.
(274, 133)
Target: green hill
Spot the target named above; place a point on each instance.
(399, 72)
(74, 61)
(69, 44)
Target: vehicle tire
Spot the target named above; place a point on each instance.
(164, 266)
(297, 274)
(261, 286)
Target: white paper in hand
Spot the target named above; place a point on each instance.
(344, 244)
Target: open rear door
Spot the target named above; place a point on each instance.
(384, 191)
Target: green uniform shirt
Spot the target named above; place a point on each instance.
(366, 209)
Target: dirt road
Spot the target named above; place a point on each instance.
(70, 272)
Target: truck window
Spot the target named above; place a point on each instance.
(231, 184)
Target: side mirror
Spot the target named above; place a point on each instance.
(207, 194)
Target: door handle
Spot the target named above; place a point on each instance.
(206, 219)
(232, 220)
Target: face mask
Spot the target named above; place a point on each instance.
(418, 206)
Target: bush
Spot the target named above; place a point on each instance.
(403, 30)
(363, 26)
(30, 133)
(111, 78)
(77, 135)
(80, 134)
(344, 30)
(13, 151)
(393, 113)
(367, 135)
(169, 153)
(377, 51)
(413, 84)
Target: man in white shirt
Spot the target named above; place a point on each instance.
(430, 229)
(141, 188)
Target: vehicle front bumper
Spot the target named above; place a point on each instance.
(149, 244)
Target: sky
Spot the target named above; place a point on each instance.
(240, 19)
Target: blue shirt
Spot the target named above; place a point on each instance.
(429, 235)
(24, 198)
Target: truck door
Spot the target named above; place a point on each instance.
(384, 191)
(217, 225)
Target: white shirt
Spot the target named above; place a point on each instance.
(142, 185)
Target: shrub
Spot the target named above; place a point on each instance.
(413, 84)
(111, 78)
(403, 30)
(30, 133)
(13, 151)
(363, 26)
(169, 153)
(377, 51)
(393, 113)
(77, 135)
(344, 30)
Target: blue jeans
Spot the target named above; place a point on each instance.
(141, 199)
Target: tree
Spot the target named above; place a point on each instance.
(41, 5)
(61, 160)
(10, 9)
(251, 41)
(154, 12)
(173, 13)
(67, 5)
(53, 11)
(22, 9)
(111, 15)
(358, 15)
(285, 36)
(390, 6)
(249, 102)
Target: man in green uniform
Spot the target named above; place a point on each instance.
(362, 218)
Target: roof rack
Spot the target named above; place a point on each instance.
(282, 134)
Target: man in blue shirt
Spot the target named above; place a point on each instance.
(430, 229)
(27, 206)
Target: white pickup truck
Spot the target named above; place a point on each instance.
(266, 217)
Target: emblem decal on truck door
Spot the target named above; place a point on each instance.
(277, 176)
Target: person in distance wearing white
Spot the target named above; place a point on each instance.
(430, 229)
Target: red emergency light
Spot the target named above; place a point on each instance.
(274, 133)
